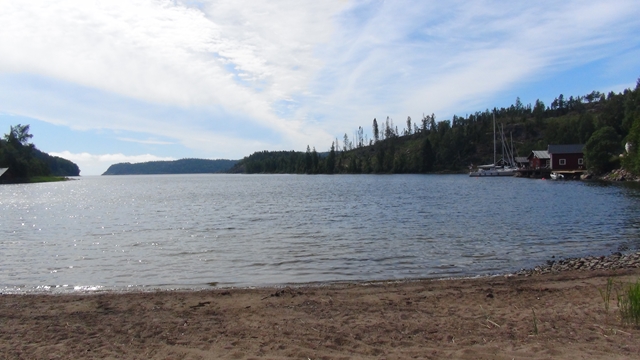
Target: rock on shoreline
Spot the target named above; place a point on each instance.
(611, 262)
(620, 175)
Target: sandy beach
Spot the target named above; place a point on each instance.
(557, 315)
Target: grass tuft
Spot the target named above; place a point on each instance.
(629, 304)
(606, 293)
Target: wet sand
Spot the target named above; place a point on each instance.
(559, 316)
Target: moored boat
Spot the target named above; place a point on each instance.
(492, 170)
(507, 168)
(555, 176)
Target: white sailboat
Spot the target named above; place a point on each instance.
(492, 170)
(507, 168)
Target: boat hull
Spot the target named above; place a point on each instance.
(492, 173)
(556, 176)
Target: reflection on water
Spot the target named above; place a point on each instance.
(185, 231)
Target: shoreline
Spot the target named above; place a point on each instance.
(537, 315)
(550, 315)
(614, 261)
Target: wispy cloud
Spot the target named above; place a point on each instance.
(148, 142)
(240, 57)
(454, 56)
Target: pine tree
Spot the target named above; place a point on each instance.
(331, 159)
(376, 132)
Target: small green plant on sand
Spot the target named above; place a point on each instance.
(629, 304)
(606, 293)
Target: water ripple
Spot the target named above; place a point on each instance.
(179, 231)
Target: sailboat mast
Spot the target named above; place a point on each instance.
(502, 142)
(494, 139)
(513, 162)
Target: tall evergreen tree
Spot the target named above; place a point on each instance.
(425, 124)
(331, 159)
(314, 161)
(376, 131)
(308, 161)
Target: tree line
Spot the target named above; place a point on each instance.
(25, 161)
(182, 166)
(604, 122)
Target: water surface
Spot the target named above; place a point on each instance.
(194, 231)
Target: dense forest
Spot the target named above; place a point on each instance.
(183, 166)
(25, 161)
(604, 122)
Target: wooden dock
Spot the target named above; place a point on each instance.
(546, 173)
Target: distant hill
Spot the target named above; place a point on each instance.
(182, 166)
(26, 163)
(33, 162)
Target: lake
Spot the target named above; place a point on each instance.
(197, 231)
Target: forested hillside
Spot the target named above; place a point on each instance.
(183, 166)
(57, 165)
(604, 122)
(25, 161)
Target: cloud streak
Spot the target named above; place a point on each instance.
(451, 57)
(148, 142)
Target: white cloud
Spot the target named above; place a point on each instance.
(456, 56)
(241, 56)
(94, 164)
(148, 141)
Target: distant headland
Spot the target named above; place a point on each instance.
(22, 162)
(182, 166)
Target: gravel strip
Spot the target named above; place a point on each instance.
(611, 262)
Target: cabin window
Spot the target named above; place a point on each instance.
(580, 161)
(563, 162)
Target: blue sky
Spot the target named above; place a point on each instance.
(102, 82)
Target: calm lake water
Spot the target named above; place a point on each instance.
(196, 231)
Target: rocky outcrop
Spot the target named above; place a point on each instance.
(620, 175)
(611, 262)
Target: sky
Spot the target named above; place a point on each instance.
(103, 82)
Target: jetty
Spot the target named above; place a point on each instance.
(545, 173)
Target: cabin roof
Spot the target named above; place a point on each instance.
(565, 149)
(540, 154)
(521, 159)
